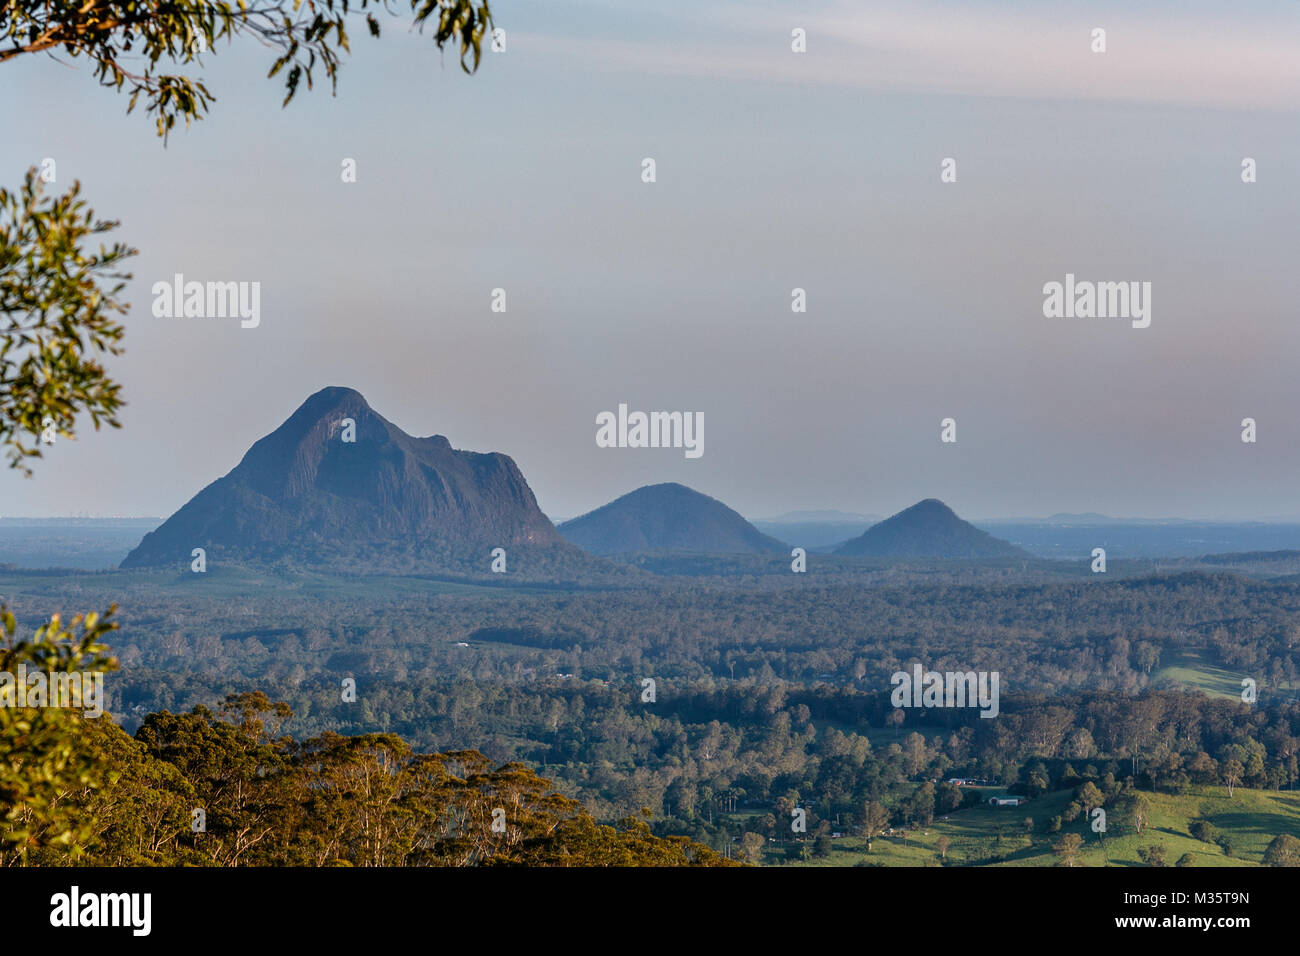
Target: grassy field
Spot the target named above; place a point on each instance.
(996, 836)
(1191, 670)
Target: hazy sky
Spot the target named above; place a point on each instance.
(775, 170)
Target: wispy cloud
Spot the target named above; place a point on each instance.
(1237, 62)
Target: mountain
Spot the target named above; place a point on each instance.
(385, 500)
(928, 529)
(667, 517)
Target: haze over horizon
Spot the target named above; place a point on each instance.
(775, 170)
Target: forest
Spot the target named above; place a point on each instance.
(769, 695)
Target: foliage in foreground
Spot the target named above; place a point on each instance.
(228, 789)
(58, 296)
(134, 47)
(42, 753)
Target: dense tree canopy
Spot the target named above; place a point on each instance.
(226, 790)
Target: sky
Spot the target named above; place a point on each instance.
(775, 170)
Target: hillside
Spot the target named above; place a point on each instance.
(997, 836)
(667, 517)
(928, 529)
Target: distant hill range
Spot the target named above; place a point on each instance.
(820, 517)
(338, 484)
(667, 517)
(816, 530)
(928, 529)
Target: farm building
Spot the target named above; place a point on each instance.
(1006, 801)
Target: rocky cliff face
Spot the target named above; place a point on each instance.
(339, 483)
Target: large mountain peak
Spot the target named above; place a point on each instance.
(337, 480)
